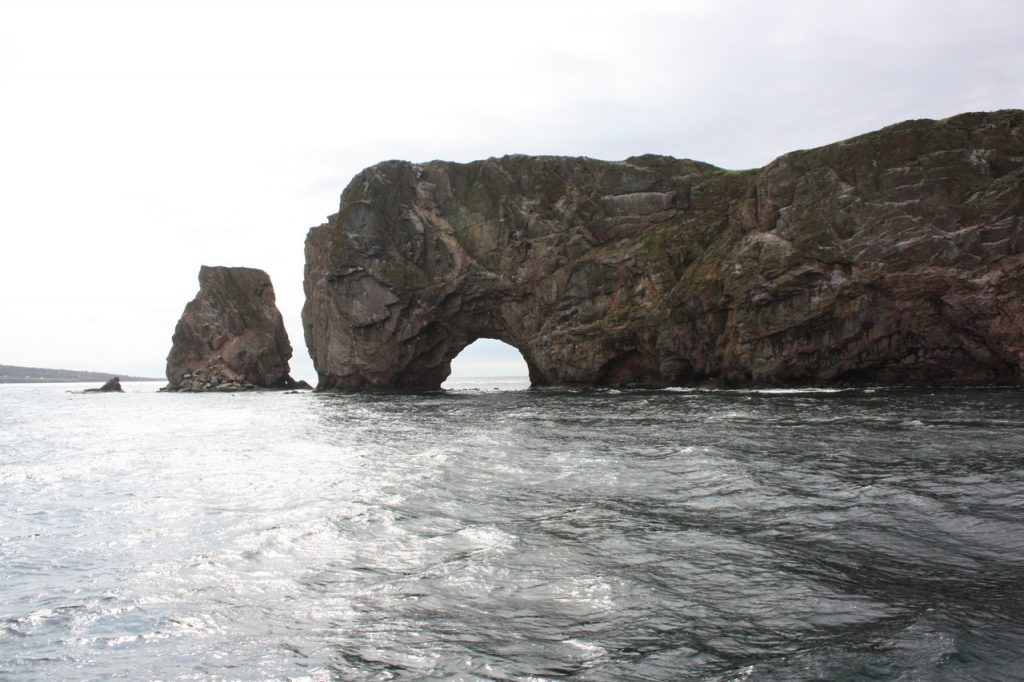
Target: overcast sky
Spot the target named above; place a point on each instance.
(141, 139)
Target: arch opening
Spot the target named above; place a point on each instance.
(491, 363)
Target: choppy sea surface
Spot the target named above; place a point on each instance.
(512, 534)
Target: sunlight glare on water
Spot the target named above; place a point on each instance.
(494, 532)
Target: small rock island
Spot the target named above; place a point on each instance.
(231, 336)
(896, 257)
(111, 386)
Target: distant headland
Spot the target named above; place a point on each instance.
(11, 374)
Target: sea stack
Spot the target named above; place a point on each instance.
(231, 336)
(896, 257)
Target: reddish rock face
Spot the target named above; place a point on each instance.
(231, 335)
(894, 257)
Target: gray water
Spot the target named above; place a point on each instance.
(523, 535)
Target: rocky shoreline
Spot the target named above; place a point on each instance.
(202, 382)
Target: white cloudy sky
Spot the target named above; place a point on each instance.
(140, 139)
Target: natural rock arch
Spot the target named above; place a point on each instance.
(897, 256)
(423, 259)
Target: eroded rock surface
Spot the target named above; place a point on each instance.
(893, 257)
(231, 336)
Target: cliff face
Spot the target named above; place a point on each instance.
(897, 256)
(231, 335)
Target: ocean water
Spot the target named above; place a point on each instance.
(512, 535)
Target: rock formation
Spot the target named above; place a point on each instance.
(893, 257)
(111, 386)
(231, 336)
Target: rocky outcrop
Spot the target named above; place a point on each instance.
(231, 336)
(894, 257)
(111, 386)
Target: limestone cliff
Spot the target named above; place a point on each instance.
(893, 257)
(231, 336)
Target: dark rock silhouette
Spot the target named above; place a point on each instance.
(112, 386)
(231, 337)
(893, 257)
